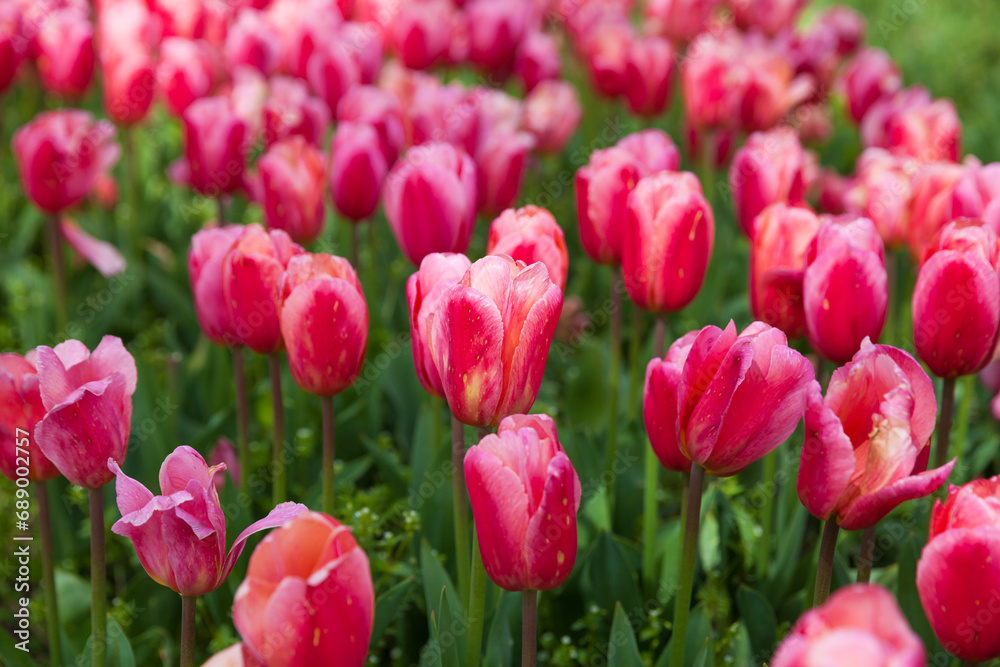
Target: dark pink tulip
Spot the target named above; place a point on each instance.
(845, 290)
(861, 625)
(525, 494)
(831, 191)
(501, 161)
(530, 234)
(180, 18)
(445, 113)
(180, 536)
(491, 338)
(186, 72)
(770, 88)
(292, 178)
(770, 16)
(421, 32)
(552, 113)
(378, 109)
(649, 75)
(21, 409)
(771, 168)
(537, 60)
(654, 149)
(868, 77)
(301, 25)
(602, 189)
(933, 184)
(678, 20)
(357, 170)
(866, 443)
(668, 238)
(65, 57)
(214, 148)
(732, 398)
(208, 249)
(846, 24)
(290, 110)
(252, 42)
(782, 235)
(225, 453)
(496, 29)
(59, 156)
(88, 399)
(125, 43)
(251, 286)
(331, 72)
(425, 290)
(977, 195)
(606, 49)
(324, 322)
(430, 200)
(882, 190)
(308, 597)
(912, 124)
(958, 577)
(12, 48)
(956, 300)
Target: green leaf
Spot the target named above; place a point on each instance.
(759, 617)
(119, 649)
(698, 633)
(444, 609)
(705, 656)
(500, 637)
(387, 607)
(709, 543)
(14, 657)
(611, 574)
(622, 648)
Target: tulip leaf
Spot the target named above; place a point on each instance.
(759, 617)
(699, 632)
(119, 649)
(612, 573)
(444, 609)
(387, 607)
(622, 648)
(500, 637)
(670, 544)
(709, 541)
(789, 547)
(14, 657)
(740, 649)
(705, 656)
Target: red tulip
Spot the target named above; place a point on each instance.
(12, 49)
(678, 20)
(125, 43)
(501, 160)
(332, 72)
(180, 536)
(910, 123)
(251, 286)
(933, 185)
(649, 75)
(977, 195)
(866, 443)
(378, 109)
(781, 236)
(530, 234)
(883, 192)
(724, 401)
(957, 576)
(496, 29)
(324, 322)
(208, 249)
(88, 402)
(869, 76)
(860, 625)
(770, 16)
(668, 238)
(552, 113)
(290, 110)
(65, 44)
(845, 288)
(20, 411)
(430, 200)
(491, 338)
(421, 32)
(525, 494)
(60, 155)
(307, 598)
(185, 73)
(252, 42)
(357, 170)
(770, 168)
(292, 176)
(956, 300)
(537, 60)
(214, 149)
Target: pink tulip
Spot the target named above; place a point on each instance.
(445, 113)
(290, 110)
(225, 453)
(292, 176)
(956, 300)
(770, 168)
(668, 238)
(883, 192)
(710, 81)
(12, 49)
(180, 18)
(214, 148)
(771, 87)
(357, 170)
(324, 322)
(65, 44)
(496, 29)
(379, 110)
(770, 16)
(430, 200)
(869, 76)
(499, 113)
(957, 576)
(88, 402)
(501, 161)
(307, 598)
(781, 236)
(933, 185)
(186, 72)
(332, 72)
(860, 625)
(100, 254)
(180, 536)
(530, 234)
(537, 60)
(525, 494)
(421, 32)
(649, 75)
(552, 113)
(911, 124)
(654, 149)
(21, 409)
(491, 338)
(678, 20)
(251, 286)
(977, 195)
(301, 25)
(208, 249)
(866, 443)
(125, 42)
(366, 45)
(252, 42)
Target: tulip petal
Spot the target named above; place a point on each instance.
(826, 464)
(550, 540)
(279, 515)
(130, 495)
(193, 544)
(343, 600)
(100, 254)
(533, 339)
(709, 414)
(867, 510)
(659, 411)
(110, 356)
(54, 382)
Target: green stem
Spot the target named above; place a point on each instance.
(689, 559)
(529, 628)
(461, 512)
(767, 514)
(278, 409)
(867, 555)
(58, 270)
(188, 607)
(964, 412)
(329, 451)
(98, 575)
(477, 604)
(222, 210)
(354, 245)
(49, 573)
(824, 569)
(889, 333)
(616, 344)
(131, 228)
(242, 415)
(652, 468)
(944, 422)
(635, 355)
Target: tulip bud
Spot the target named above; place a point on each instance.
(648, 75)
(525, 494)
(65, 43)
(868, 77)
(421, 32)
(185, 73)
(496, 29)
(214, 151)
(20, 411)
(669, 234)
(88, 399)
(678, 20)
(770, 168)
(538, 60)
(501, 161)
(379, 110)
(307, 598)
(956, 300)
(430, 200)
(324, 322)
(292, 176)
(957, 575)
(530, 234)
(357, 170)
(552, 113)
(208, 249)
(977, 195)
(290, 110)
(252, 42)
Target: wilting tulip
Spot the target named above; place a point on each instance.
(290, 110)
(20, 411)
(649, 75)
(678, 20)
(421, 32)
(214, 151)
(956, 300)
(331, 72)
(180, 536)
(185, 73)
(59, 156)
(861, 624)
(537, 60)
(496, 29)
(252, 42)
(552, 113)
(912, 124)
(430, 200)
(251, 272)
(378, 109)
(770, 16)
(307, 598)
(868, 77)
(525, 494)
(781, 237)
(882, 190)
(501, 160)
(845, 290)
(292, 176)
(731, 399)
(324, 322)
(357, 170)
(668, 238)
(88, 402)
(65, 43)
(530, 234)
(867, 442)
(771, 168)
(933, 185)
(208, 249)
(491, 338)
(958, 577)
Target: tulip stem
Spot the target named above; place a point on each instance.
(58, 270)
(866, 557)
(354, 245)
(964, 411)
(824, 570)
(689, 559)
(278, 408)
(652, 467)
(461, 513)
(131, 244)
(767, 513)
(944, 423)
(98, 575)
(242, 415)
(221, 210)
(616, 344)
(188, 607)
(635, 353)
(477, 604)
(49, 573)
(529, 628)
(329, 451)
